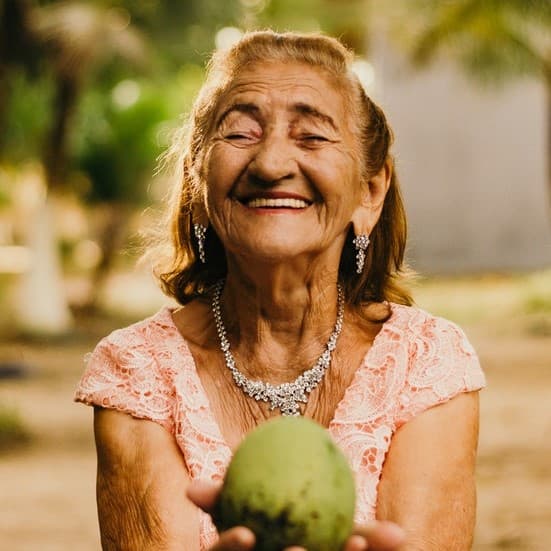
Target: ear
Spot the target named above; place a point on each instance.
(372, 198)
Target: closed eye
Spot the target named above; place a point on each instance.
(314, 138)
(237, 136)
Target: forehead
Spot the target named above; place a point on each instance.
(285, 84)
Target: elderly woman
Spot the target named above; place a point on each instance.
(286, 255)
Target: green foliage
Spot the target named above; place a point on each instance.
(536, 304)
(28, 116)
(13, 432)
(494, 40)
(346, 19)
(522, 299)
(537, 293)
(182, 32)
(5, 185)
(118, 143)
(183, 87)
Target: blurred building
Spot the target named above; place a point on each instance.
(473, 166)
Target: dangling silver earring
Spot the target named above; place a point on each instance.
(200, 234)
(361, 243)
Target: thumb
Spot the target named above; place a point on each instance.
(204, 494)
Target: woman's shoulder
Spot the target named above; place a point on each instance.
(414, 321)
(138, 346)
(427, 335)
(439, 360)
(399, 324)
(132, 370)
(432, 340)
(151, 330)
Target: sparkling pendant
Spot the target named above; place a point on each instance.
(287, 396)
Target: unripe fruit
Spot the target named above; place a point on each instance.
(290, 484)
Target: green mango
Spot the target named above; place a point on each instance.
(290, 484)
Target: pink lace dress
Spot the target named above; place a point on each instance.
(416, 361)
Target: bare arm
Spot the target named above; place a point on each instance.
(427, 485)
(141, 486)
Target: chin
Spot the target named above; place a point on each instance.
(270, 252)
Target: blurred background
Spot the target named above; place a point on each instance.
(90, 93)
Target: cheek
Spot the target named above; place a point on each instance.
(337, 177)
(224, 165)
(215, 178)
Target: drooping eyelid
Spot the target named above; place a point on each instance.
(311, 113)
(245, 108)
(309, 122)
(240, 129)
(312, 128)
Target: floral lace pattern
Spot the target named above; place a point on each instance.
(416, 362)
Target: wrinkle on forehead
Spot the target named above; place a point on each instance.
(291, 85)
(283, 82)
(281, 72)
(302, 110)
(289, 91)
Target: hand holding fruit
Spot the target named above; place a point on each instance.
(289, 487)
(378, 536)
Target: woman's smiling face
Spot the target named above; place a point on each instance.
(283, 166)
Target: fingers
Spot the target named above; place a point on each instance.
(203, 494)
(356, 543)
(377, 536)
(235, 539)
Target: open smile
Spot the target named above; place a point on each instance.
(275, 201)
(287, 203)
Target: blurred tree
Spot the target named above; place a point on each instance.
(80, 38)
(493, 40)
(71, 40)
(183, 32)
(345, 19)
(27, 116)
(117, 153)
(77, 38)
(17, 47)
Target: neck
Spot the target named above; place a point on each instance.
(284, 303)
(280, 322)
(285, 397)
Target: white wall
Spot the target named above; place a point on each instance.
(472, 163)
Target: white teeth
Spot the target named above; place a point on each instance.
(275, 203)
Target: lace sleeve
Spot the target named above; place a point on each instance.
(122, 374)
(442, 364)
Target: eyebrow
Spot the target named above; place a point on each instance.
(300, 108)
(249, 108)
(309, 111)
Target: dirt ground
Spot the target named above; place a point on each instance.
(47, 488)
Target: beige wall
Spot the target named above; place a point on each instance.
(472, 162)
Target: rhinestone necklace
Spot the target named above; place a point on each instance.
(286, 396)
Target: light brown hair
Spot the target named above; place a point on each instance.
(177, 266)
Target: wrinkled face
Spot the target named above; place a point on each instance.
(283, 164)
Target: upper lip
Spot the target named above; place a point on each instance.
(273, 195)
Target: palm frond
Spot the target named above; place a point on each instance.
(81, 35)
(492, 39)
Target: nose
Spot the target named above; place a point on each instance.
(274, 160)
